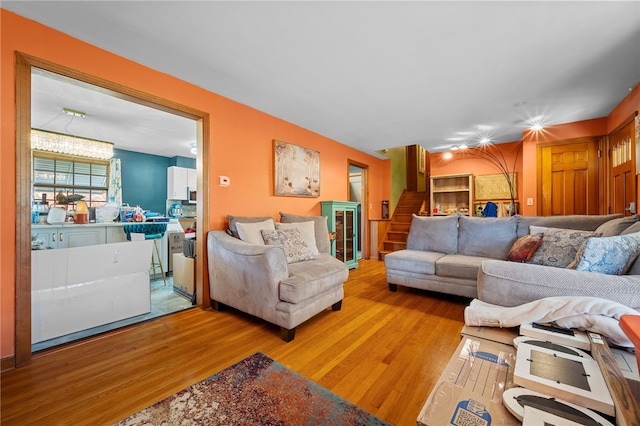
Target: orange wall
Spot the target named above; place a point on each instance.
(240, 143)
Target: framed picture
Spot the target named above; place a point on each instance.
(296, 170)
(422, 159)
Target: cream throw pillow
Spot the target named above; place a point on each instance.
(250, 231)
(307, 233)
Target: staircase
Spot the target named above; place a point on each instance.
(396, 235)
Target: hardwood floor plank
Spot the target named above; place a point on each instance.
(383, 351)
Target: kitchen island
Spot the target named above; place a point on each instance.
(90, 276)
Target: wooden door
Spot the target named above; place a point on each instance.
(569, 177)
(623, 171)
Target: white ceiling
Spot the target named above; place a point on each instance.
(376, 75)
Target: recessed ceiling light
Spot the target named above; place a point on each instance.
(536, 127)
(484, 127)
(485, 140)
(463, 146)
(455, 147)
(447, 155)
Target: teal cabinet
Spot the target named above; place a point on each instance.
(342, 220)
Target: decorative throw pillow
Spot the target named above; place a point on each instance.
(559, 247)
(524, 247)
(608, 255)
(307, 232)
(295, 249)
(250, 231)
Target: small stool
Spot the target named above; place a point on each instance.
(151, 231)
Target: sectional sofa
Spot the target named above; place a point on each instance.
(468, 256)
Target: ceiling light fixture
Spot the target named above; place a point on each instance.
(70, 145)
(74, 113)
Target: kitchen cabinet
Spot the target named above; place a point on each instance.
(72, 235)
(342, 220)
(179, 180)
(451, 194)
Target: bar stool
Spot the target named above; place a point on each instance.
(151, 231)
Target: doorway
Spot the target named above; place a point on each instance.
(24, 67)
(358, 192)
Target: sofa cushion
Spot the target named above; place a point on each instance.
(525, 247)
(295, 249)
(559, 247)
(459, 266)
(233, 220)
(608, 255)
(577, 221)
(486, 237)
(307, 232)
(616, 226)
(436, 234)
(308, 279)
(250, 232)
(418, 261)
(321, 229)
(632, 229)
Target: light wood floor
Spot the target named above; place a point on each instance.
(383, 351)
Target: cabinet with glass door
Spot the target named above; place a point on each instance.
(342, 220)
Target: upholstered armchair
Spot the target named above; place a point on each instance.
(263, 281)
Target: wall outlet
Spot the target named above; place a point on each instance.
(529, 201)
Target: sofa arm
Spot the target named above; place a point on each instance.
(245, 276)
(511, 284)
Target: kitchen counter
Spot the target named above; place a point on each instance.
(75, 225)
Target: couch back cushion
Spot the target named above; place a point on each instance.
(320, 227)
(576, 221)
(437, 233)
(487, 237)
(616, 226)
(234, 220)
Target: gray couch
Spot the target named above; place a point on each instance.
(257, 279)
(466, 256)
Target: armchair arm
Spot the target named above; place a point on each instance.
(245, 276)
(511, 284)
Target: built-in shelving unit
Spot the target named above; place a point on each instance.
(451, 194)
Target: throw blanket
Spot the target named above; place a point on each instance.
(584, 313)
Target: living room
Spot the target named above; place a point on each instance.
(236, 142)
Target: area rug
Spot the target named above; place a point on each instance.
(255, 391)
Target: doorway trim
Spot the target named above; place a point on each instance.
(24, 65)
(364, 233)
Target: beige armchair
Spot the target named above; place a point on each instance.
(256, 279)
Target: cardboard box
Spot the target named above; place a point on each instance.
(183, 275)
(175, 241)
(469, 391)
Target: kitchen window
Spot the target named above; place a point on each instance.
(55, 173)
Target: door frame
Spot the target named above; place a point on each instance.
(364, 233)
(24, 65)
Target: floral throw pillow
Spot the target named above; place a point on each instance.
(525, 247)
(295, 249)
(559, 247)
(608, 255)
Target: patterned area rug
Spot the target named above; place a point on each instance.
(255, 391)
